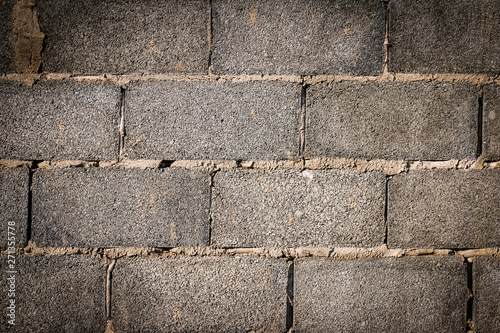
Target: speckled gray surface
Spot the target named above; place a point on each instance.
(125, 207)
(298, 37)
(292, 208)
(56, 294)
(444, 209)
(14, 206)
(397, 120)
(200, 294)
(59, 120)
(419, 294)
(436, 36)
(486, 285)
(491, 122)
(148, 36)
(212, 120)
(7, 37)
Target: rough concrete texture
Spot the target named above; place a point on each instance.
(491, 122)
(420, 294)
(436, 36)
(397, 120)
(59, 120)
(212, 120)
(486, 285)
(298, 37)
(200, 294)
(152, 36)
(444, 209)
(14, 188)
(56, 294)
(293, 208)
(7, 37)
(119, 207)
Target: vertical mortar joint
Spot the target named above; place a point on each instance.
(289, 297)
(121, 125)
(480, 105)
(470, 297)
(303, 119)
(111, 266)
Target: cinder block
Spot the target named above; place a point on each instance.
(486, 285)
(444, 209)
(436, 36)
(59, 120)
(200, 294)
(14, 188)
(298, 37)
(491, 122)
(212, 120)
(397, 120)
(412, 294)
(125, 207)
(55, 294)
(152, 36)
(253, 208)
(7, 37)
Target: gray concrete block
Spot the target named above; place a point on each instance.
(212, 120)
(298, 37)
(292, 208)
(59, 120)
(397, 120)
(436, 36)
(200, 294)
(14, 188)
(7, 38)
(486, 285)
(152, 36)
(444, 209)
(120, 207)
(412, 294)
(491, 122)
(55, 294)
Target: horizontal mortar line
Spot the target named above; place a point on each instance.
(121, 79)
(389, 167)
(381, 251)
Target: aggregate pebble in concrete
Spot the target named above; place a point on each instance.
(292, 208)
(152, 36)
(491, 122)
(59, 120)
(436, 36)
(200, 294)
(397, 120)
(419, 294)
(55, 294)
(486, 285)
(7, 37)
(120, 207)
(212, 120)
(14, 188)
(298, 37)
(444, 209)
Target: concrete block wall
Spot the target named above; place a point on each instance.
(257, 166)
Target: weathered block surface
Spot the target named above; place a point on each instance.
(59, 120)
(56, 294)
(404, 120)
(129, 207)
(212, 120)
(95, 36)
(419, 294)
(444, 209)
(14, 189)
(486, 279)
(435, 36)
(293, 208)
(298, 37)
(491, 122)
(7, 37)
(200, 294)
